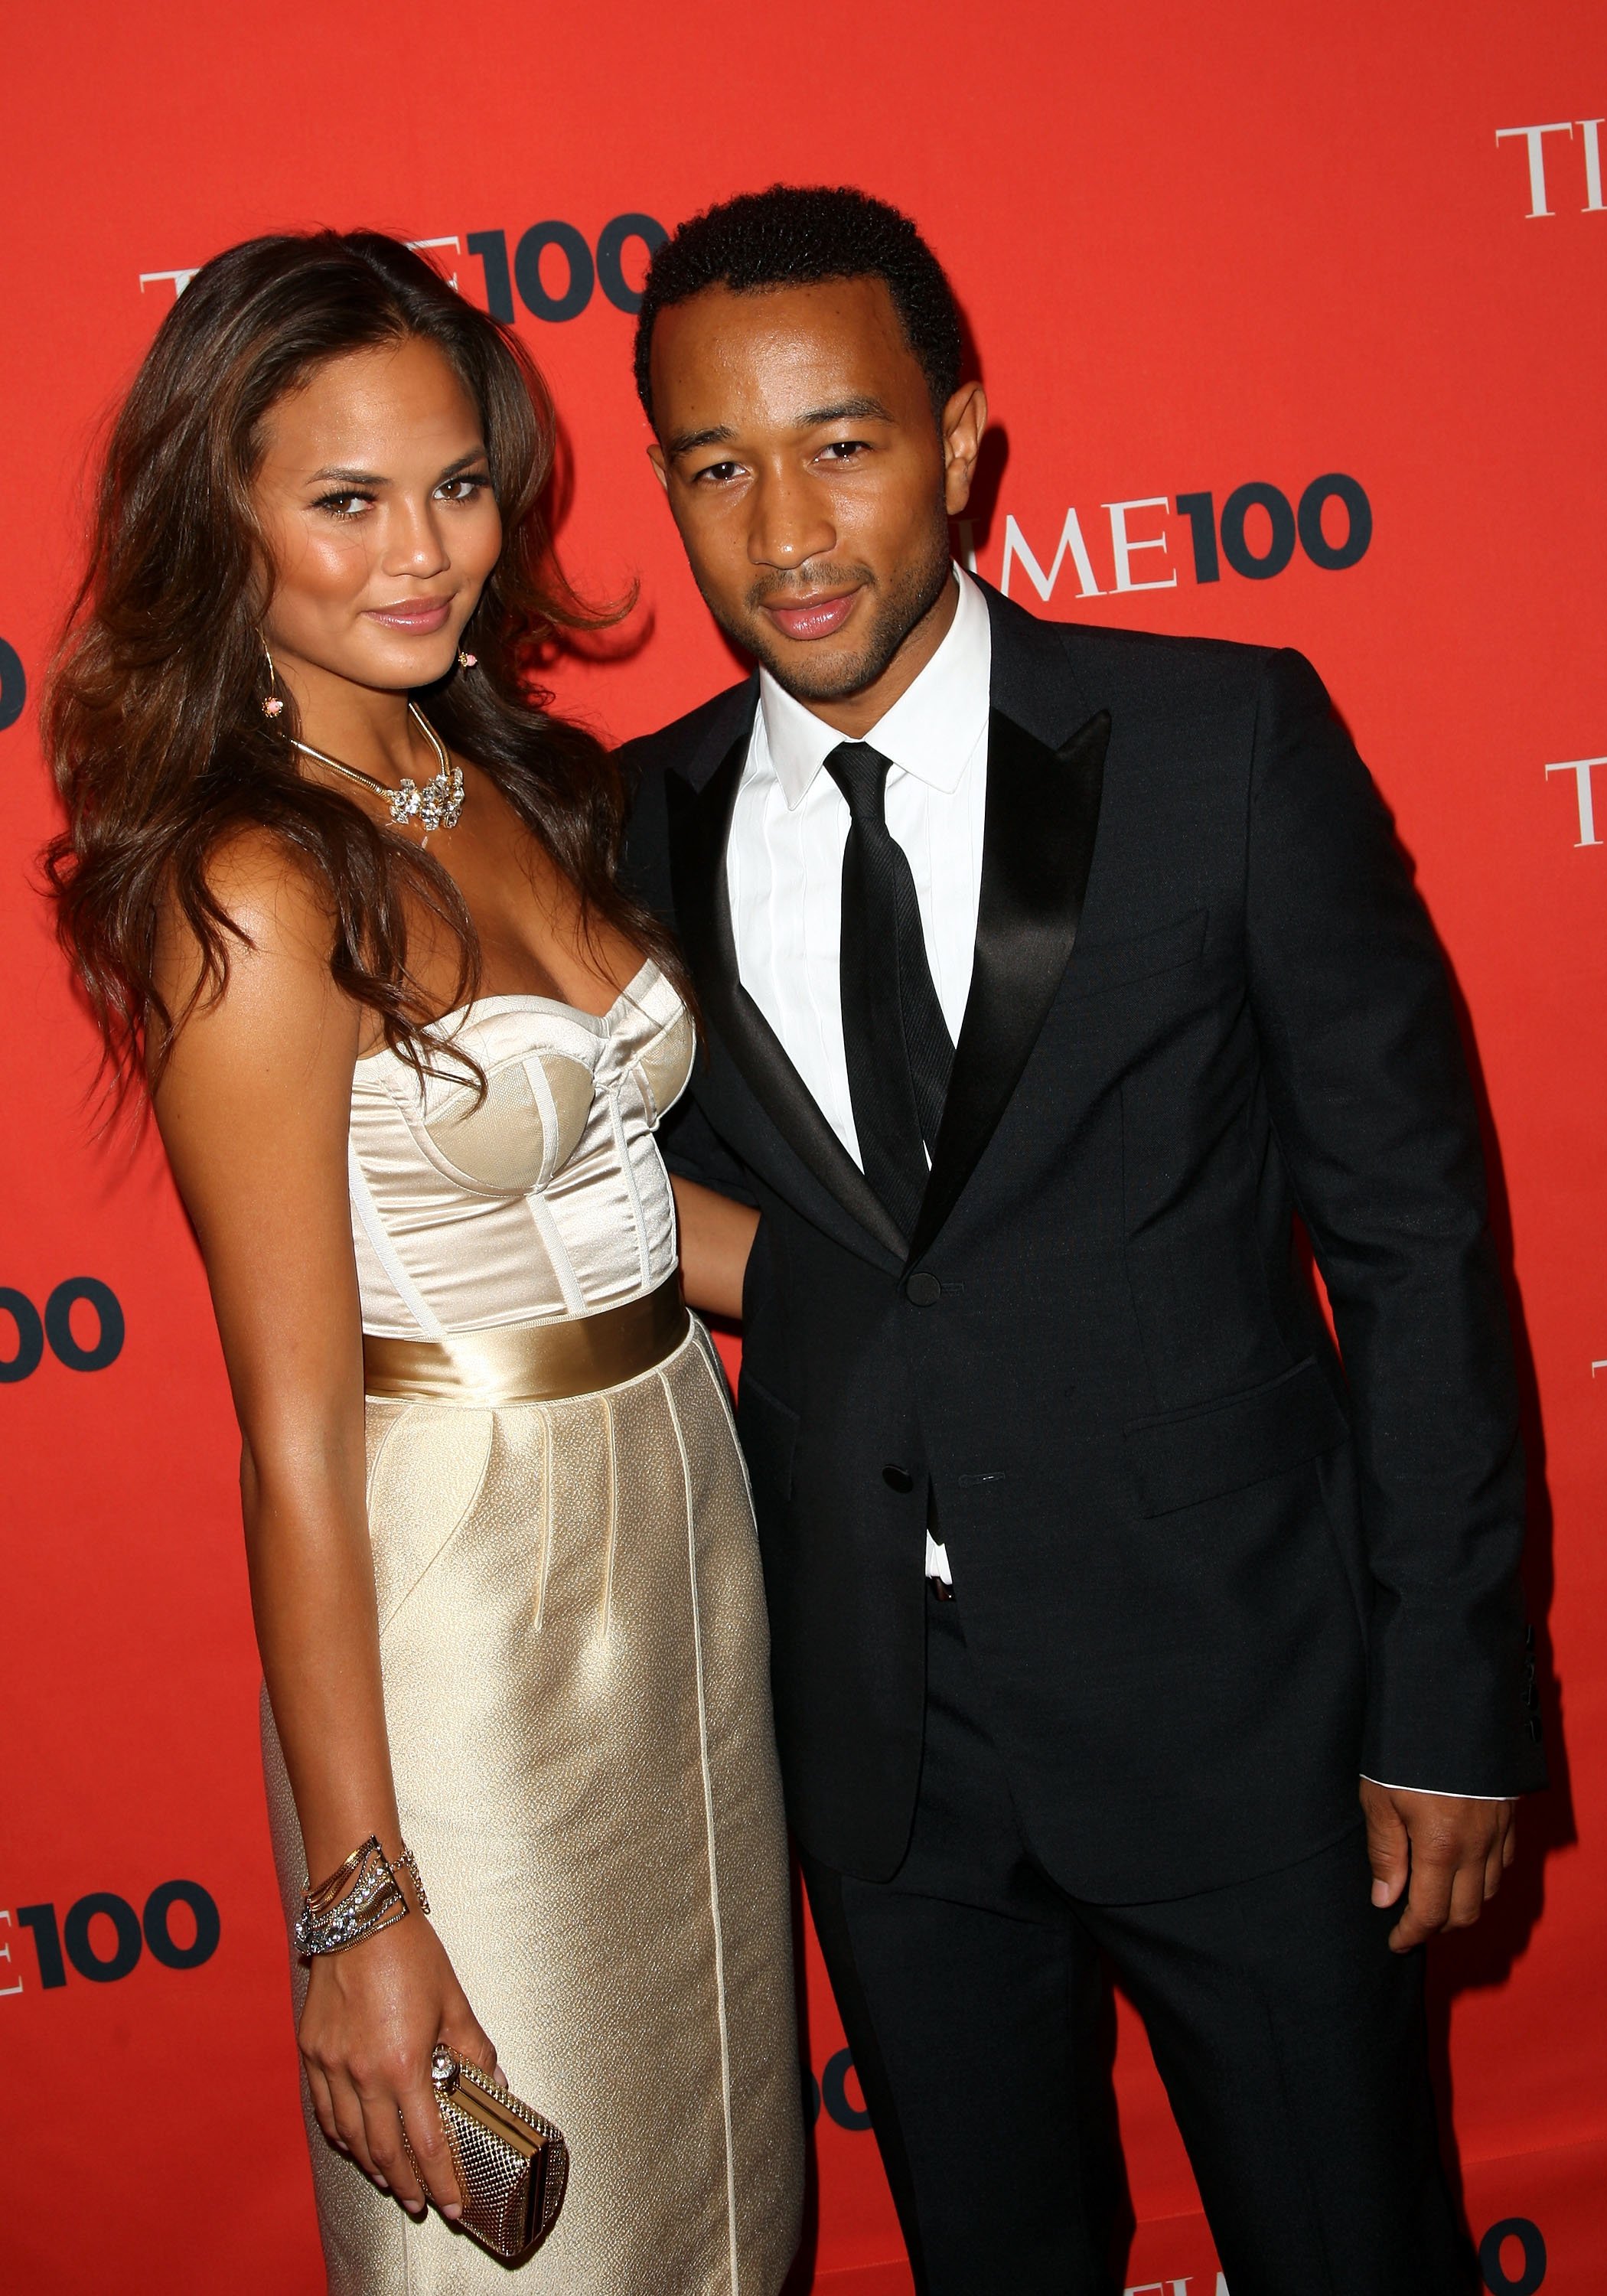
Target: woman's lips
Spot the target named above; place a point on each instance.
(417, 617)
(816, 617)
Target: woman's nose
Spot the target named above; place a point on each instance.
(414, 542)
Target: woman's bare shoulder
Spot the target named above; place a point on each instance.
(268, 902)
(267, 975)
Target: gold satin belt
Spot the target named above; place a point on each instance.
(531, 1363)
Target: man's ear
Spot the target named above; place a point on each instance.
(963, 422)
(655, 455)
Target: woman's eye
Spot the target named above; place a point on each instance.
(464, 489)
(347, 505)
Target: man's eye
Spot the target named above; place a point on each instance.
(845, 450)
(719, 472)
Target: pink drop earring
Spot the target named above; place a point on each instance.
(466, 660)
(272, 704)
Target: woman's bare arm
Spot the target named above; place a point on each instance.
(716, 1235)
(254, 1108)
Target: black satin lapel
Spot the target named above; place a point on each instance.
(1037, 846)
(700, 822)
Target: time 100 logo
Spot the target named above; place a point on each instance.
(1256, 531)
(54, 1328)
(554, 267)
(556, 270)
(103, 1937)
(13, 684)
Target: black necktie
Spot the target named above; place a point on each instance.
(897, 1045)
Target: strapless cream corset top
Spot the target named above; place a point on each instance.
(545, 1199)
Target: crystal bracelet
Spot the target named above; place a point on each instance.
(360, 1898)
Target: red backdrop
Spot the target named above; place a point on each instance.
(1200, 248)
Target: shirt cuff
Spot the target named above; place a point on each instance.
(1390, 1787)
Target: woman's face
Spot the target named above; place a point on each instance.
(374, 494)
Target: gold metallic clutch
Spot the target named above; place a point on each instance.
(511, 2165)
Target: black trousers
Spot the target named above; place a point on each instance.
(1290, 2039)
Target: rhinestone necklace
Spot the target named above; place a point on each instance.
(437, 805)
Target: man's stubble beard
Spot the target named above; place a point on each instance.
(914, 589)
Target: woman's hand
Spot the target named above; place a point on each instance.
(373, 2015)
(255, 1109)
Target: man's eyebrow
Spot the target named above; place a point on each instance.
(844, 410)
(687, 442)
(841, 410)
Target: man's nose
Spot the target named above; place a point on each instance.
(790, 522)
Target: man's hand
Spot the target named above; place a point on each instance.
(1453, 1849)
(715, 1235)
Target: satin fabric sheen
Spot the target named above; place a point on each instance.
(530, 1363)
(549, 1198)
(575, 1659)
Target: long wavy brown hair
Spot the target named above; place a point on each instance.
(153, 719)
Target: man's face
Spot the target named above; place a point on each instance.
(812, 481)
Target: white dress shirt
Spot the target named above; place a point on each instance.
(783, 861)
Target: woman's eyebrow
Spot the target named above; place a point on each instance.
(347, 478)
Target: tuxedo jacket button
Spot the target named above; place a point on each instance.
(922, 1289)
(898, 1478)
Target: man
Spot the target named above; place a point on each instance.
(1045, 972)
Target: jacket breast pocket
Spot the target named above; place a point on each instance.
(1187, 1456)
(1102, 965)
(768, 1431)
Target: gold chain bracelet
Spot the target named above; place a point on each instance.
(360, 1898)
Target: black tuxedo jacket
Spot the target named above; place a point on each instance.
(1209, 1572)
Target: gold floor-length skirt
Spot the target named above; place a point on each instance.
(575, 1656)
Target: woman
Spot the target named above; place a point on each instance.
(347, 896)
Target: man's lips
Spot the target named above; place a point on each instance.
(417, 617)
(812, 618)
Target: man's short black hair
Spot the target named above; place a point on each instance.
(795, 235)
